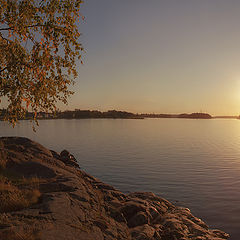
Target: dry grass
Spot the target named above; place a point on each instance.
(16, 229)
(32, 182)
(16, 195)
(27, 233)
(3, 159)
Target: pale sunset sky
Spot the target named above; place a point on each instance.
(161, 56)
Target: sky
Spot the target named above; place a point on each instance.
(160, 56)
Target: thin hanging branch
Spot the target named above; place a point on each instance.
(3, 69)
(30, 26)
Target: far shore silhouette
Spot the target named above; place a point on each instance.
(113, 114)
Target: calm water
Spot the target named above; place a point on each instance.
(193, 163)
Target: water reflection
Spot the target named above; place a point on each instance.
(193, 162)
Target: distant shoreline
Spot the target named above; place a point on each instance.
(114, 114)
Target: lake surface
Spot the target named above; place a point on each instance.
(192, 163)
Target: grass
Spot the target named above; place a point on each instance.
(12, 198)
(27, 233)
(17, 193)
(3, 158)
(11, 232)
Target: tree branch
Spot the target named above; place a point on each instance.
(7, 40)
(3, 69)
(30, 26)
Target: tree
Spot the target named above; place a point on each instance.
(39, 46)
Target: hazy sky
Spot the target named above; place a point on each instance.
(162, 56)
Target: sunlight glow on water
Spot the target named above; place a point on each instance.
(193, 163)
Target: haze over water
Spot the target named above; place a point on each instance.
(193, 163)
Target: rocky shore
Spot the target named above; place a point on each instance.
(71, 204)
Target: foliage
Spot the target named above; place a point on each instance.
(38, 51)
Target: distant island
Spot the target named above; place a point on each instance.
(113, 114)
(183, 115)
(195, 116)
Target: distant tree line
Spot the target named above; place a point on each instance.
(96, 114)
(195, 115)
(184, 115)
(79, 114)
(153, 115)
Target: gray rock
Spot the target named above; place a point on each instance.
(68, 159)
(77, 206)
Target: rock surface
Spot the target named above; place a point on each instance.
(75, 205)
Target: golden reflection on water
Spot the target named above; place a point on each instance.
(194, 162)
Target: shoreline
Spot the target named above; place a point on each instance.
(75, 205)
(110, 114)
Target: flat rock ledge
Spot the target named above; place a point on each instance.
(74, 205)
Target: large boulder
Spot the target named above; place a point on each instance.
(69, 159)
